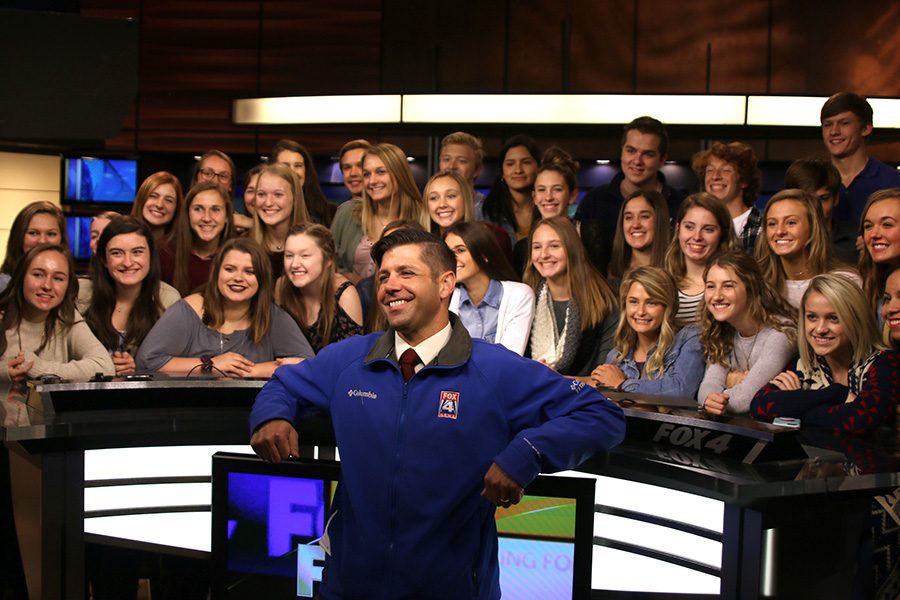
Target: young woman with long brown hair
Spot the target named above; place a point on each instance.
(37, 223)
(575, 313)
(748, 333)
(124, 296)
(233, 328)
(203, 227)
(703, 228)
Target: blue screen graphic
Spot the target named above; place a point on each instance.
(272, 520)
(79, 232)
(100, 180)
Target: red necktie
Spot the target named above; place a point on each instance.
(408, 361)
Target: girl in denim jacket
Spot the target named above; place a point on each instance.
(653, 354)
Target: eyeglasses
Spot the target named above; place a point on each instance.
(208, 175)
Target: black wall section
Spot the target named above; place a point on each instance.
(65, 77)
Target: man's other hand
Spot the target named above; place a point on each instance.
(276, 441)
(500, 488)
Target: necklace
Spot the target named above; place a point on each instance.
(274, 245)
(747, 356)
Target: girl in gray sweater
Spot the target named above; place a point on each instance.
(748, 333)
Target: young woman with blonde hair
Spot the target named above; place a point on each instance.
(450, 200)
(703, 228)
(797, 245)
(653, 353)
(279, 206)
(296, 157)
(880, 230)
(575, 312)
(389, 193)
(747, 332)
(844, 379)
(890, 309)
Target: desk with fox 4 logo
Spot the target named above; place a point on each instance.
(687, 505)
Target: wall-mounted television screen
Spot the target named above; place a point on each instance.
(99, 180)
(78, 229)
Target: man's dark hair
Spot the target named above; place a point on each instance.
(847, 101)
(649, 125)
(434, 251)
(811, 174)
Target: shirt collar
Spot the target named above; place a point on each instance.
(428, 348)
(492, 297)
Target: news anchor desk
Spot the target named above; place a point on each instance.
(687, 504)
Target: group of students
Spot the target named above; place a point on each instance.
(682, 307)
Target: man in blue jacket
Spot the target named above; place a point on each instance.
(434, 429)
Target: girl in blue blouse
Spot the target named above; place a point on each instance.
(653, 354)
(489, 300)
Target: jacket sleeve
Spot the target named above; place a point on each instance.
(515, 326)
(776, 353)
(557, 422)
(828, 408)
(771, 401)
(683, 371)
(86, 357)
(297, 389)
(713, 381)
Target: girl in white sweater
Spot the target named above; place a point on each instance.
(45, 335)
(490, 302)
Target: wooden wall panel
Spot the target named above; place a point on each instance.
(602, 46)
(828, 46)
(672, 46)
(469, 47)
(432, 47)
(198, 55)
(535, 46)
(308, 47)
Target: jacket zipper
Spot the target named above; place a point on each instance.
(401, 422)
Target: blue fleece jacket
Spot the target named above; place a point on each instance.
(410, 520)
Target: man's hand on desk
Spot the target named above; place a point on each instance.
(276, 441)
